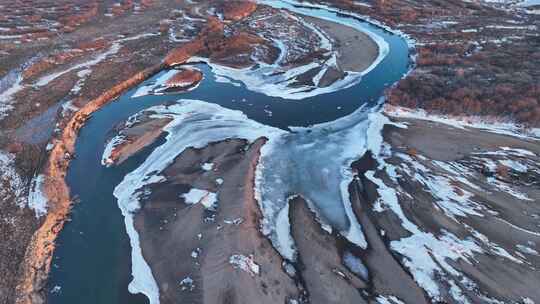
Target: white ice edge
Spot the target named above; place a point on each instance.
(158, 86)
(473, 122)
(109, 148)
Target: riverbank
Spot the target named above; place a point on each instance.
(38, 256)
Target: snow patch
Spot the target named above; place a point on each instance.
(245, 263)
(198, 196)
(37, 200)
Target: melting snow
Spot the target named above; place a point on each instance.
(245, 263)
(196, 196)
(37, 200)
(10, 181)
(207, 166)
(263, 79)
(477, 122)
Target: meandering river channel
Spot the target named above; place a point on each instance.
(92, 263)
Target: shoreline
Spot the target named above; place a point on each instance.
(348, 41)
(39, 253)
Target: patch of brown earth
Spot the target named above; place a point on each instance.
(320, 262)
(357, 51)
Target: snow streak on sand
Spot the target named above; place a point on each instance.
(116, 141)
(11, 183)
(474, 122)
(196, 196)
(9, 86)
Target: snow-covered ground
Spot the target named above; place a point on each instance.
(13, 82)
(37, 200)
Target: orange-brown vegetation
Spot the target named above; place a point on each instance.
(185, 78)
(491, 82)
(214, 44)
(120, 8)
(238, 10)
(181, 54)
(90, 11)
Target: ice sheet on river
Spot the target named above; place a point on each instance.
(313, 162)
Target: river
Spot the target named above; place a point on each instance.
(92, 262)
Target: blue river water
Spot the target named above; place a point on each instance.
(92, 261)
